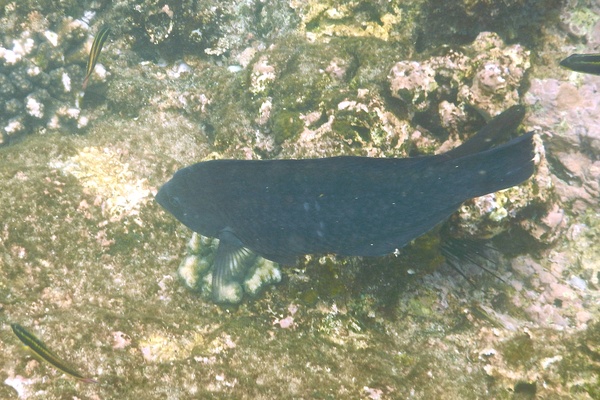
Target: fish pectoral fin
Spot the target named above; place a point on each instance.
(232, 262)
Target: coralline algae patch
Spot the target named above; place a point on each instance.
(119, 192)
(487, 75)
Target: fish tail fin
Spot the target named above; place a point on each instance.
(491, 134)
(232, 261)
(497, 168)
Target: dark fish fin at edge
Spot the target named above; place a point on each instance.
(498, 168)
(491, 134)
(232, 261)
(459, 251)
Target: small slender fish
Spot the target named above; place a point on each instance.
(95, 53)
(40, 349)
(586, 63)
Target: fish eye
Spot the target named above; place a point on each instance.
(170, 200)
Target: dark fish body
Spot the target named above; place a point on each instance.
(587, 63)
(353, 206)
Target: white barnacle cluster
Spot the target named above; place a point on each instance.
(264, 272)
(196, 271)
(14, 83)
(34, 107)
(36, 79)
(197, 263)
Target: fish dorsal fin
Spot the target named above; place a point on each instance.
(232, 262)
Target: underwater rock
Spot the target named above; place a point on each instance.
(486, 75)
(39, 73)
(568, 112)
(413, 83)
(321, 19)
(213, 28)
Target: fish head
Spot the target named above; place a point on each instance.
(168, 200)
(183, 196)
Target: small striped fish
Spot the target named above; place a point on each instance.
(40, 349)
(587, 63)
(95, 53)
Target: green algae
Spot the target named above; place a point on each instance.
(286, 125)
(519, 351)
(329, 282)
(303, 85)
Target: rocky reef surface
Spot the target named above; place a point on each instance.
(89, 261)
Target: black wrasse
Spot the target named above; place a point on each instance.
(352, 206)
